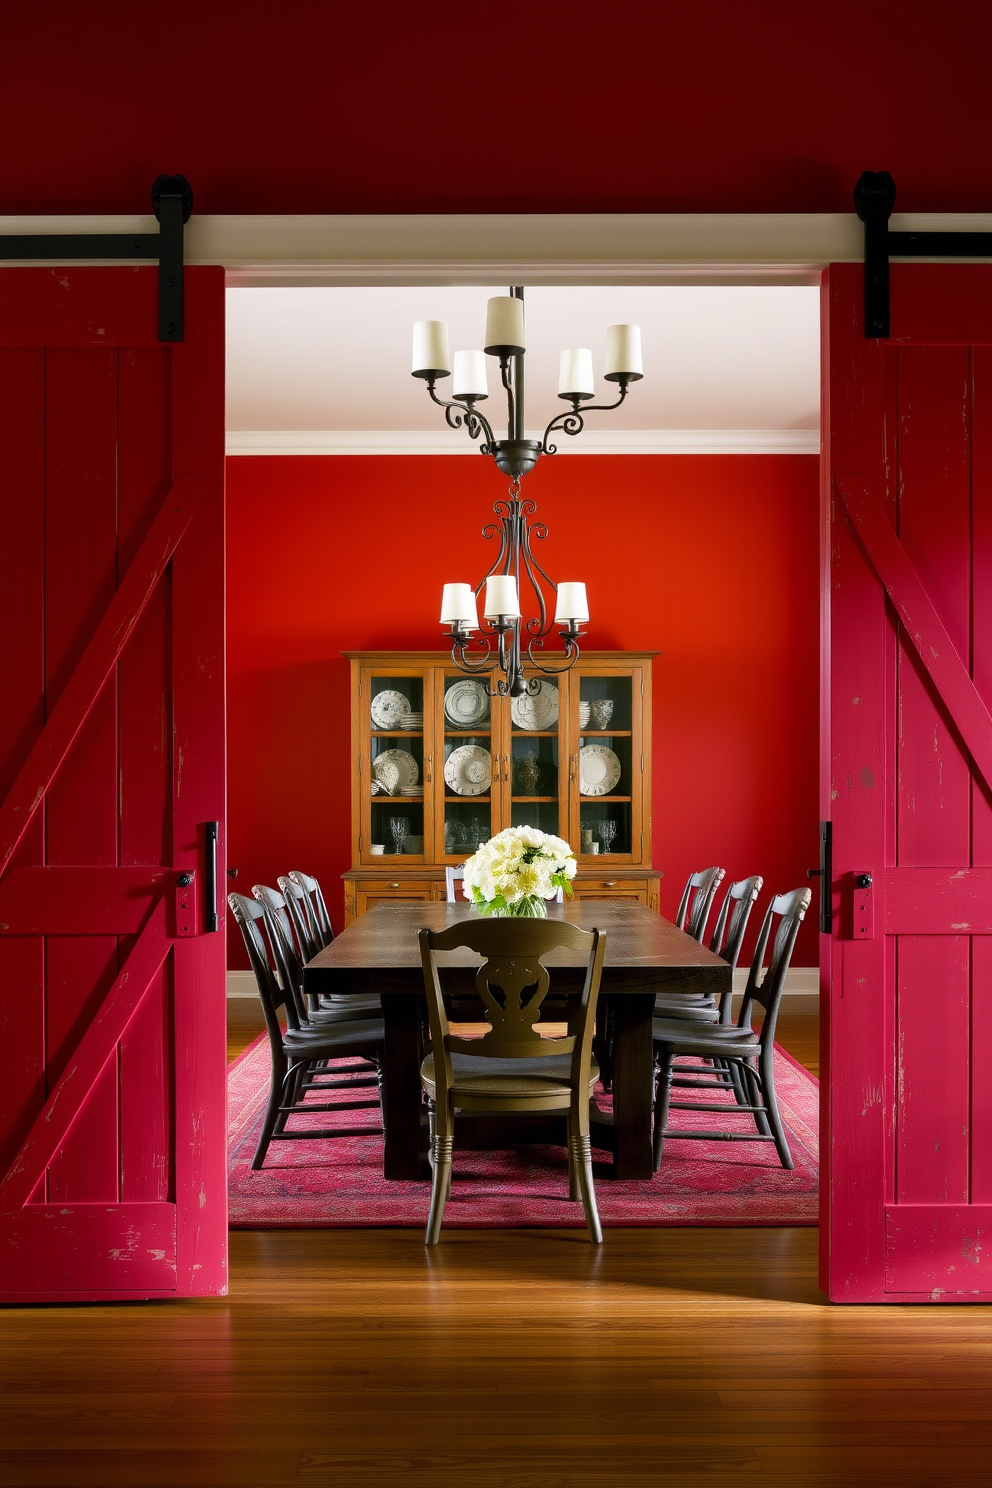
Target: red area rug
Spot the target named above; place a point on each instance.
(339, 1184)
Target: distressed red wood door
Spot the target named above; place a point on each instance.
(112, 1060)
(907, 781)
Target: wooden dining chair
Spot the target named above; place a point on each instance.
(316, 905)
(299, 911)
(289, 964)
(726, 942)
(751, 1054)
(299, 1049)
(511, 1068)
(697, 901)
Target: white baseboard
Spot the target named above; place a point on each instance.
(802, 987)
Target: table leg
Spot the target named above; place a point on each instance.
(633, 1084)
(401, 1097)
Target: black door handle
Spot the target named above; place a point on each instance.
(212, 832)
(825, 873)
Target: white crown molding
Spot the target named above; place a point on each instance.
(608, 442)
(566, 248)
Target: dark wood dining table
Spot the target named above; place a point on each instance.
(378, 953)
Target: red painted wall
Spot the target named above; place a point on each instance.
(650, 106)
(710, 559)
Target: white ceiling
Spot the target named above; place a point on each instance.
(715, 359)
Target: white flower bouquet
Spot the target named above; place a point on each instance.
(516, 871)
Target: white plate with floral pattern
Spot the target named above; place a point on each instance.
(536, 710)
(599, 770)
(395, 768)
(469, 770)
(388, 708)
(466, 704)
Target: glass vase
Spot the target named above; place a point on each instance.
(530, 907)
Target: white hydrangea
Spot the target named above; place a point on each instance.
(518, 863)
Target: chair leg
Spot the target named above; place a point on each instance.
(662, 1101)
(271, 1114)
(771, 1105)
(580, 1162)
(442, 1141)
(291, 1083)
(756, 1097)
(602, 1045)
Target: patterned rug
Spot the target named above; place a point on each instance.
(338, 1184)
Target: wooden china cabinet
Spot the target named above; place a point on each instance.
(439, 767)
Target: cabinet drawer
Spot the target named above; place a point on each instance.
(373, 890)
(635, 889)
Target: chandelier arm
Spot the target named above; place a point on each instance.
(530, 563)
(574, 422)
(511, 414)
(473, 421)
(485, 663)
(571, 655)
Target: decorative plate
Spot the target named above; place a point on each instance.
(395, 768)
(469, 770)
(466, 704)
(388, 707)
(599, 770)
(536, 710)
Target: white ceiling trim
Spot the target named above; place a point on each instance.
(615, 442)
(566, 248)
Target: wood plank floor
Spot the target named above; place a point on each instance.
(517, 1359)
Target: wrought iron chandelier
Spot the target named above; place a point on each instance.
(516, 456)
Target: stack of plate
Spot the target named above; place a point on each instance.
(412, 721)
(411, 790)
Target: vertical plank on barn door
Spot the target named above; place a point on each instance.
(908, 658)
(22, 690)
(112, 1121)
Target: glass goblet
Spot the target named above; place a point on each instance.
(399, 828)
(607, 832)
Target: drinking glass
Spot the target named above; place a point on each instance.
(607, 832)
(399, 827)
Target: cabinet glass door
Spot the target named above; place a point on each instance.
(536, 785)
(396, 767)
(469, 768)
(608, 773)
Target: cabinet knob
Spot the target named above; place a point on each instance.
(609, 883)
(394, 886)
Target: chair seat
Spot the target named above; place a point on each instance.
(510, 1077)
(695, 1012)
(704, 1038)
(339, 1012)
(335, 1041)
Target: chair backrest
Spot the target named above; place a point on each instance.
(697, 900)
(316, 902)
(766, 989)
(298, 908)
(282, 946)
(454, 876)
(512, 983)
(728, 932)
(250, 916)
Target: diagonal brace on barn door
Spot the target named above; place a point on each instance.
(87, 1059)
(97, 661)
(921, 623)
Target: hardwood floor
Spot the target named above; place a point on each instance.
(519, 1359)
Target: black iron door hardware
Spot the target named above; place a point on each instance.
(210, 888)
(874, 198)
(172, 202)
(825, 874)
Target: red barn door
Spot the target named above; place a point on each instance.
(112, 1057)
(908, 785)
